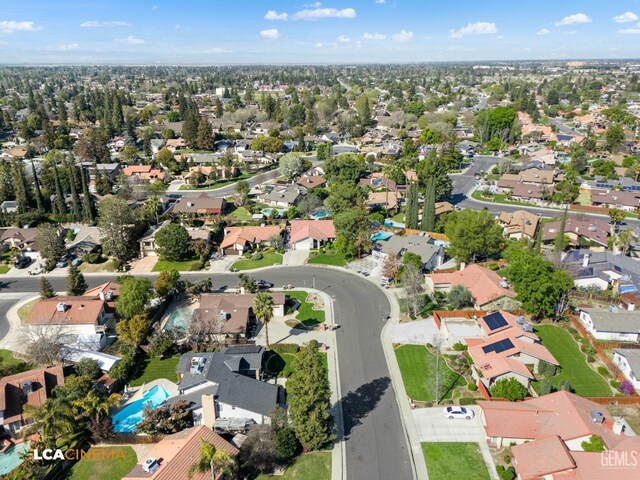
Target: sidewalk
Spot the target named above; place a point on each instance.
(279, 332)
(14, 340)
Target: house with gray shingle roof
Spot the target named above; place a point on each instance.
(628, 361)
(611, 324)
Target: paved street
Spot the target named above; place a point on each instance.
(228, 189)
(376, 446)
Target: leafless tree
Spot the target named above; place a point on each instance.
(412, 284)
(45, 344)
(203, 328)
(437, 341)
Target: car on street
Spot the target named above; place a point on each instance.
(264, 284)
(23, 262)
(458, 412)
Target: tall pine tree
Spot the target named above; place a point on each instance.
(411, 214)
(87, 201)
(76, 284)
(36, 189)
(20, 187)
(559, 240)
(60, 206)
(75, 198)
(429, 208)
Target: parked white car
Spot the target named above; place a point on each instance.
(458, 412)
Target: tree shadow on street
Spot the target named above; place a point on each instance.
(357, 404)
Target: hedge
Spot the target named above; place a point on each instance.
(292, 348)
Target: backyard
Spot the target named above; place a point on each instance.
(306, 313)
(108, 468)
(10, 364)
(241, 214)
(310, 466)
(417, 366)
(454, 460)
(282, 363)
(267, 260)
(574, 367)
(152, 368)
(335, 259)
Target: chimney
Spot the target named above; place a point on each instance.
(462, 265)
(585, 260)
(618, 427)
(208, 410)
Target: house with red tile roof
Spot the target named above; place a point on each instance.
(307, 234)
(173, 456)
(489, 290)
(547, 435)
(144, 173)
(238, 240)
(506, 350)
(32, 387)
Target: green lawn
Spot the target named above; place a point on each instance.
(98, 468)
(398, 217)
(281, 364)
(417, 366)
(7, 358)
(153, 368)
(306, 314)
(267, 260)
(191, 265)
(107, 266)
(25, 310)
(4, 269)
(454, 460)
(241, 214)
(335, 259)
(574, 367)
(310, 466)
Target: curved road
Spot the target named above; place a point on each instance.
(376, 445)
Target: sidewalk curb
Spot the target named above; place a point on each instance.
(15, 325)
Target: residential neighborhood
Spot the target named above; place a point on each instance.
(318, 243)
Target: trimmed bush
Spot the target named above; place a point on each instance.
(506, 473)
(256, 256)
(615, 384)
(472, 387)
(603, 371)
(460, 347)
(467, 401)
(291, 348)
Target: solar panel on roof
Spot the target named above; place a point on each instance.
(495, 321)
(498, 347)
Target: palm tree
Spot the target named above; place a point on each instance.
(218, 462)
(53, 421)
(263, 310)
(624, 239)
(96, 405)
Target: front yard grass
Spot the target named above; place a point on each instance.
(267, 260)
(152, 368)
(281, 364)
(99, 468)
(574, 367)
(4, 269)
(310, 466)
(8, 360)
(25, 310)
(306, 314)
(417, 366)
(190, 265)
(454, 460)
(335, 259)
(107, 266)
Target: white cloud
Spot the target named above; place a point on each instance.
(402, 36)
(270, 34)
(374, 36)
(380, 2)
(68, 47)
(11, 26)
(544, 31)
(130, 40)
(631, 31)
(96, 24)
(476, 28)
(319, 13)
(626, 17)
(343, 39)
(574, 19)
(273, 15)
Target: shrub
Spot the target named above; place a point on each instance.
(507, 458)
(615, 384)
(467, 401)
(506, 473)
(626, 387)
(591, 358)
(281, 348)
(594, 444)
(286, 444)
(573, 331)
(545, 387)
(92, 258)
(472, 387)
(256, 256)
(460, 347)
(603, 371)
(494, 266)
(547, 369)
(509, 389)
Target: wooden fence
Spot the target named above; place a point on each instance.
(129, 439)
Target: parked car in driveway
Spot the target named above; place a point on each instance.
(458, 412)
(62, 262)
(23, 262)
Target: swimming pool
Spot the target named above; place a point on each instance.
(280, 211)
(125, 420)
(391, 223)
(11, 458)
(180, 319)
(381, 236)
(320, 214)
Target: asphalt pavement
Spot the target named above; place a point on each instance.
(229, 189)
(376, 445)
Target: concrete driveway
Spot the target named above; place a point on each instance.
(144, 265)
(433, 426)
(295, 257)
(418, 332)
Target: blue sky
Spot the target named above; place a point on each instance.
(336, 31)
